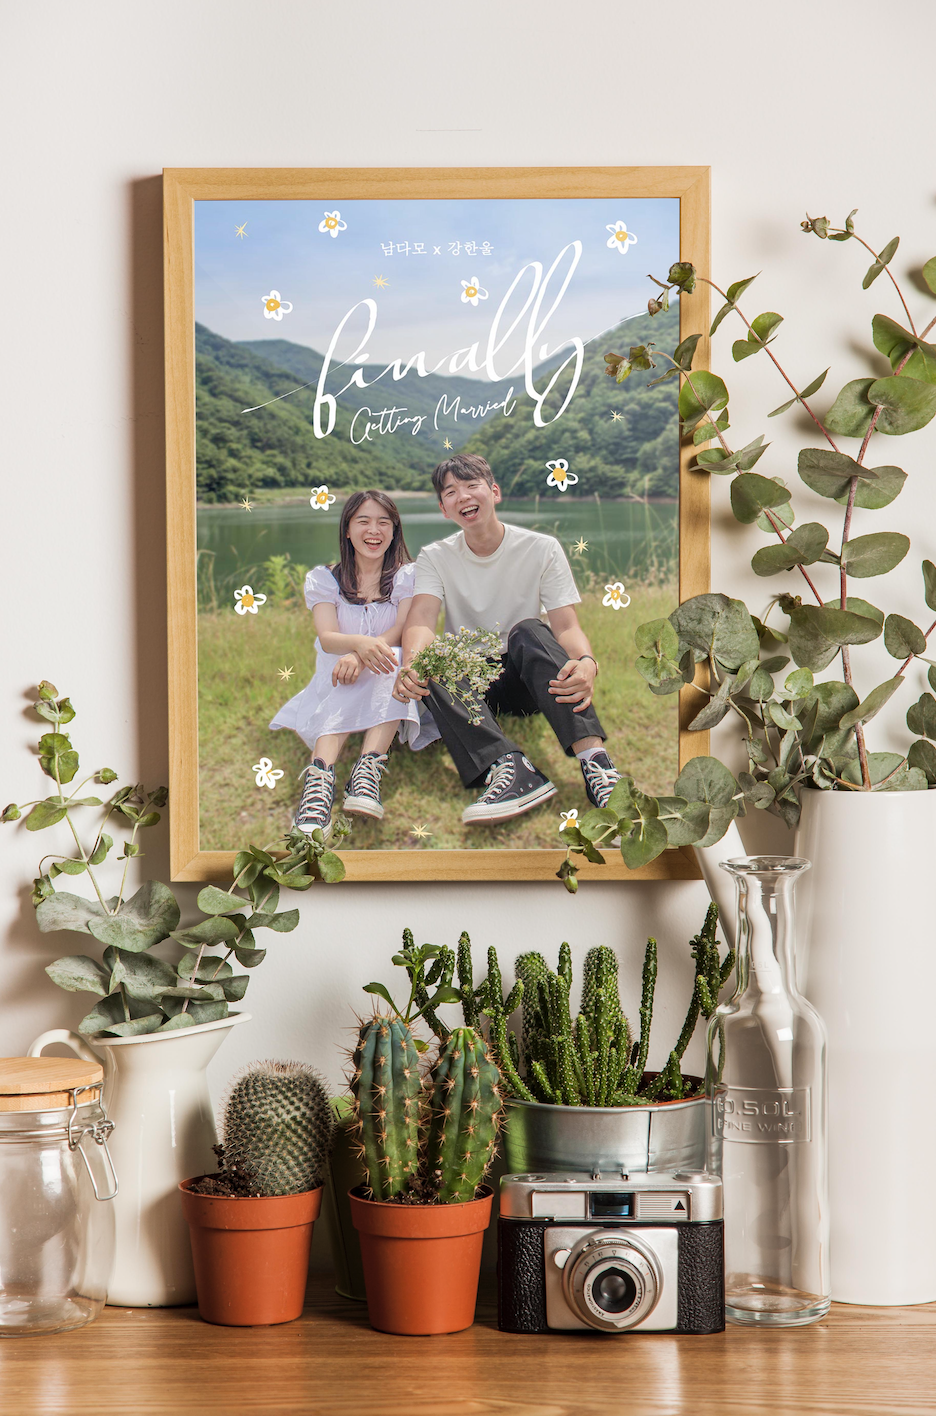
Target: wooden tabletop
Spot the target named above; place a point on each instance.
(144, 1361)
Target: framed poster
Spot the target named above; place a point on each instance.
(335, 331)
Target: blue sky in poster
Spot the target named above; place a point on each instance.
(420, 307)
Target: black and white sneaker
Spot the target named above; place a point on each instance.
(511, 787)
(601, 776)
(318, 796)
(362, 793)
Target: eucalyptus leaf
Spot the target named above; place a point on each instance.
(685, 821)
(708, 780)
(71, 867)
(647, 840)
(212, 901)
(929, 583)
(701, 393)
(147, 918)
(876, 554)
(209, 931)
(149, 1023)
(906, 404)
(871, 705)
(883, 259)
(902, 638)
(177, 1023)
(100, 850)
(331, 866)
(249, 958)
(833, 699)
(873, 495)
(45, 813)
(64, 911)
(784, 515)
(751, 494)
(830, 473)
(929, 274)
(921, 716)
(851, 413)
(142, 975)
(803, 546)
(922, 756)
(712, 712)
(208, 1012)
(888, 772)
(79, 974)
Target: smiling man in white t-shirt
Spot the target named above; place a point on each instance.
(490, 575)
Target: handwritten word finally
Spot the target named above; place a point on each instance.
(454, 248)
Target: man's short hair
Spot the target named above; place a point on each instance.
(466, 467)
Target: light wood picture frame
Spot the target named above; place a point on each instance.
(183, 190)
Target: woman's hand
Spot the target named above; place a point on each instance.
(376, 655)
(347, 669)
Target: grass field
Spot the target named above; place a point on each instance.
(240, 690)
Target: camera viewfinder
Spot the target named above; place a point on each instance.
(612, 1204)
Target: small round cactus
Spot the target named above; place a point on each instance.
(277, 1128)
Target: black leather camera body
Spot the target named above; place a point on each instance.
(611, 1253)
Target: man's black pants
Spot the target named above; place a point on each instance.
(534, 656)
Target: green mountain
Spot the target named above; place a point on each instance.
(275, 446)
(635, 454)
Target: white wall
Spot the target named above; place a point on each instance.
(812, 107)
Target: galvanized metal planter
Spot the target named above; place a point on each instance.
(667, 1135)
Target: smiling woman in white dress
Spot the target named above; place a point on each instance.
(359, 607)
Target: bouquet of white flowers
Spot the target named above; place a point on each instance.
(466, 664)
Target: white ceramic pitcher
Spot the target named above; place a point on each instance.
(156, 1093)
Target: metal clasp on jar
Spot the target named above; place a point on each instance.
(99, 1130)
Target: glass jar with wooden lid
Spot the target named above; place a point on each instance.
(56, 1176)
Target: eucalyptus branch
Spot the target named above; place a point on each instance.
(198, 959)
(887, 271)
(776, 363)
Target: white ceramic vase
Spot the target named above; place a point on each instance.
(156, 1093)
(867, 963)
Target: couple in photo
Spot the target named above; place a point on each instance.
(376, 609)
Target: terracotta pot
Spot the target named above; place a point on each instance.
(251, 1256)
(421, 1262)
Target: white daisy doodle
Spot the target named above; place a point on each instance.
(568, 818)
(559, 475)
(274, 306)
(267, 774)
(332, 223)
(472, 291)
(616, 597)
(620, 238)
(246, 602)
(321, 498)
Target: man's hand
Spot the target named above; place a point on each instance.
(346, 670)
(408, 687)
(375, 654)
(574, 683)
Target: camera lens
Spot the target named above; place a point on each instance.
(614, 1291)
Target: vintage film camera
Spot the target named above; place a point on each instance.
(611, 1253)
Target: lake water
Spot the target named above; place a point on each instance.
(624, 538)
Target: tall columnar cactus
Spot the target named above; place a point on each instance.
(592, 1059)
(387, 1088)
(464, 1110)
(277, 1128)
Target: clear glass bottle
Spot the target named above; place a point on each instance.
(766, 1081)
(56, 1239)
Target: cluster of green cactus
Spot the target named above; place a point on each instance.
(592, 1059)
(277, 1129)
(424, 1139)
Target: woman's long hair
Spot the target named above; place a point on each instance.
(396, 554)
